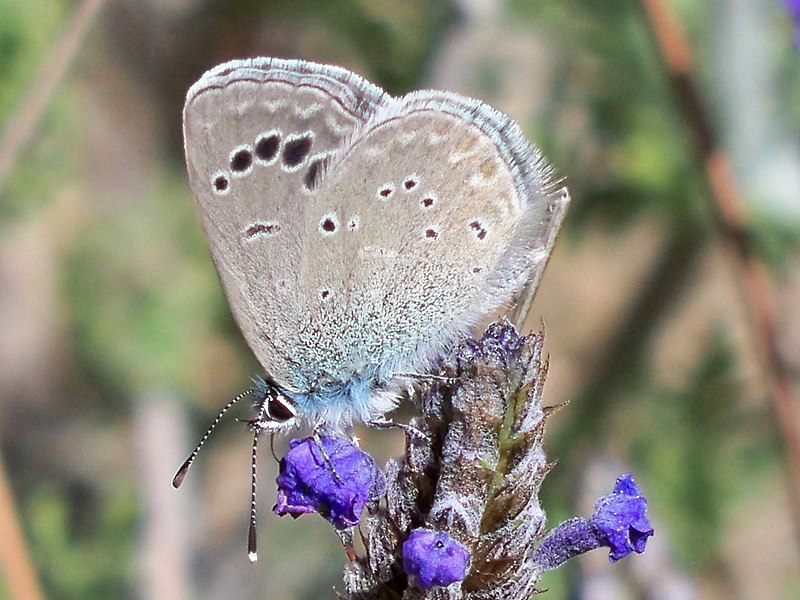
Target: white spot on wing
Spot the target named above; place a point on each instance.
(478, 228)
(264, 136)
(274, 105)
(434, 138)
(385, 192)
(410, 183)
(406, 138)
(287, 144)
(467, 147)
(336, 127)
(261, 229)
(373, 151)
(508, 208)
(246, 149)
(328, 225)
(305, 112)
(428, 201)
(431, 232)
(219, 179)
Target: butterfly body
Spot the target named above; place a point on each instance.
(357, 235)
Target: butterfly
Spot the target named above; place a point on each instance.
(358, 235)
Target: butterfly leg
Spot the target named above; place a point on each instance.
(429, 378)
(409, 430)
(318, 441)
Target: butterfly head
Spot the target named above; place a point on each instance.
(275, 410)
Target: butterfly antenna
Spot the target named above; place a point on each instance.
(252, 553)
(181, 474)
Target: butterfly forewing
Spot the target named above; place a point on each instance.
(258, 134)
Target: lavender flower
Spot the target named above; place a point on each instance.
(462, 504)
(434, 558)
(619, 522)
(793, 8)
(474, 475)
(306, 483)
(620, 517)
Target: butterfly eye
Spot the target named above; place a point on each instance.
(279, 408)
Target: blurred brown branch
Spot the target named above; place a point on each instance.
(730, 220)
(22, 123)
(15, 560)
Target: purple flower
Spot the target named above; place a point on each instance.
(793, 8)
(621, 519)
(307, 484)
(434, 558)
(619, 522)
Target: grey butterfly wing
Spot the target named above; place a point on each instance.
(256, 132)
(435, 214)
(550, 227)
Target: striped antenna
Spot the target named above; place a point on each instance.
(252, 554)
(181, 474)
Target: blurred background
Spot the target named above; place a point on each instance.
(671, 303)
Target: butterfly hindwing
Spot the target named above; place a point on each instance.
(428, 220)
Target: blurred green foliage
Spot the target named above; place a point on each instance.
(696, 471)
(80, 558)
(639, 153)
(51, 156)
(140, 323)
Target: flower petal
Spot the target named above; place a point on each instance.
(434, 558)
(307, 484)
(621, 519)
